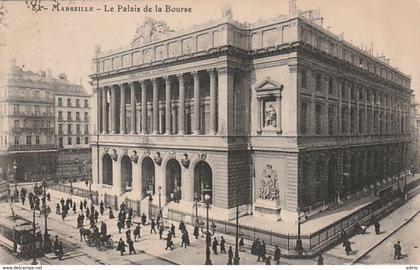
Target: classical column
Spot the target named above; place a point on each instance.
(123, 128)
(174, 129)
(196, 124)
(213, 126)
(104, 110)
(155, 107)
(133, 108)
(143, 107)
(168, 129)
(97, 96)
(114, 109)
(181, 110)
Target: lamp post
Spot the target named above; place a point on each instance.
(207, 198)
(47, 246)
(160, 203)
(236, 258)
(14, 174)
(34, 262)
(196, 199)
(150, 205)
(299, 246)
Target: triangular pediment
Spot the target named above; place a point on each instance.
(268, 84)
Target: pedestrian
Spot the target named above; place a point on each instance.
(81, 206)
(230, 255)
(128, 223)
(161, 229)
(222, 245)
(74, 208)
(320, 260)
(103, 228)
(48, 197)
(81, 232)
(96, 215)
(143, 219)
(184, 239)
(152, 226)
(57, 209)
(131, 246)
(62, 202)
(277, 254)
(344, 236)
(214, 245)
(60, 251)
(268, 260)
(136, 232)
(254, 247)
(87, 212)
(181, 226)
(84, 203)
(63, 215)
(92, 208)
(173, 230)
(213, 228)
(347, 247)
(121, 246)
(397, 251)
(130, 213)
(259, 252)
(101, 208)
(241, 244)
(169, 242)
(128, 234)
(377, 227)
(119, 226)
(196, 231)
(122, 206)
(111, 213)
(263, 250)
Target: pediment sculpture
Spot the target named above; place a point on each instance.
(150, 31)
(158, 158)
(269, 186)
(134, 156)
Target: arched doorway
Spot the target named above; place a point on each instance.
(126, 173)
(203, 177)
(332, 169)
(107, 170)
(148, 176)
(173, 181)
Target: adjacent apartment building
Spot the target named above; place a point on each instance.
(281, 116)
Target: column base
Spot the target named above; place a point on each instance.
(181, 132)
(212, 132)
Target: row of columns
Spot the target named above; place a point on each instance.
(113, 91)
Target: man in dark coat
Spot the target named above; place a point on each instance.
(121, 246)
(320, 260)
(130, 213)
(268, 260)
(277, 254)
(196, 231)
(263, 250)
(136, 232)
(184, 239)
(173, 230)
(119, 225)
(222, 245)
(88, 212)
(131, 246)
(103, 228)
(397, 251)
(169, 242)
(96, 215)
(254, 247)
(74, 208)
(143, 219)
(111, 213)
(101, 208)
(181, 226)
(84, 203)
(161, 229)
(241, 244)
(214, 245)
(60, 250)
(230, 255)
(152, 226)
(347, 247)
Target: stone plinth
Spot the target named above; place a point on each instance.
(267, 209)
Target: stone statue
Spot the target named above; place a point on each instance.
(269, 185)
(227, 12)
(270, 117)
(150, 31)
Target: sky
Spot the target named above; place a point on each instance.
(65, 41)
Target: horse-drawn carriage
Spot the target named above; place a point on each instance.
(95, 239)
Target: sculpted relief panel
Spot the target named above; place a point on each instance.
(137, 58)
(269, 184)
(187, 46)
(203, 42)
(174, 49)
(148, 55)
(160, 52)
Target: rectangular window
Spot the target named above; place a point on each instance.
(77, 116)
(332, 120)
(318, 83)
(304, 114)
(86, 129)
(60, 116)
(77, 140)
(77, 102)
(60, 128)
(36, 109)
(343, 120)
(69, 116)
(16, 108)
(343, 90)
(69, 129)
(78, 129)
(68, 102)
(16, 140)
(86, 117)
(16, 123)
(361, 122)
(331, 86)
(49, 140)
(86, 103)
(353, 120)
(303, 78)
(86, 140)
(318, 119)
(37, 139)
(60, 102)
(68, 140)
(28, 140)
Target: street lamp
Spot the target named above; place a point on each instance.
(299, 246)
(196, 200)
(47, 245)
(14, 174)
(150, 205)
(207, 199)
(160, 204)
(236, 258)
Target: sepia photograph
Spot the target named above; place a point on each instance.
(224, 132)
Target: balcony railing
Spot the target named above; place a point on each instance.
(32, 147)
(32, 130)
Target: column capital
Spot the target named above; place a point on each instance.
(225, 70)
(195, 74)
(154, 81)
(115, 86)
(142, 84)
(212, 72)
(166, 78)
(132, 83)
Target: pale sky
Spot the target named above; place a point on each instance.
(65, 41)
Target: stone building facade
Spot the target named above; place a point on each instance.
(72, 128)
(282, 115)
(27, 148)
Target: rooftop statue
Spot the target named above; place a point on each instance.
(150, 31)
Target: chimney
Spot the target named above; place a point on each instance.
(292, 7)
(49, 76)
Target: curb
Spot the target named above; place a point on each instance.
(385, 238)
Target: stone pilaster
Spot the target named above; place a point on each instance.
(114, 109)
(123, 128)
(133, 108)
(181, 110)
(105, 129)
(155, 107)
(212, 101)
(143, 107)
(196, 123)
(168, 129)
